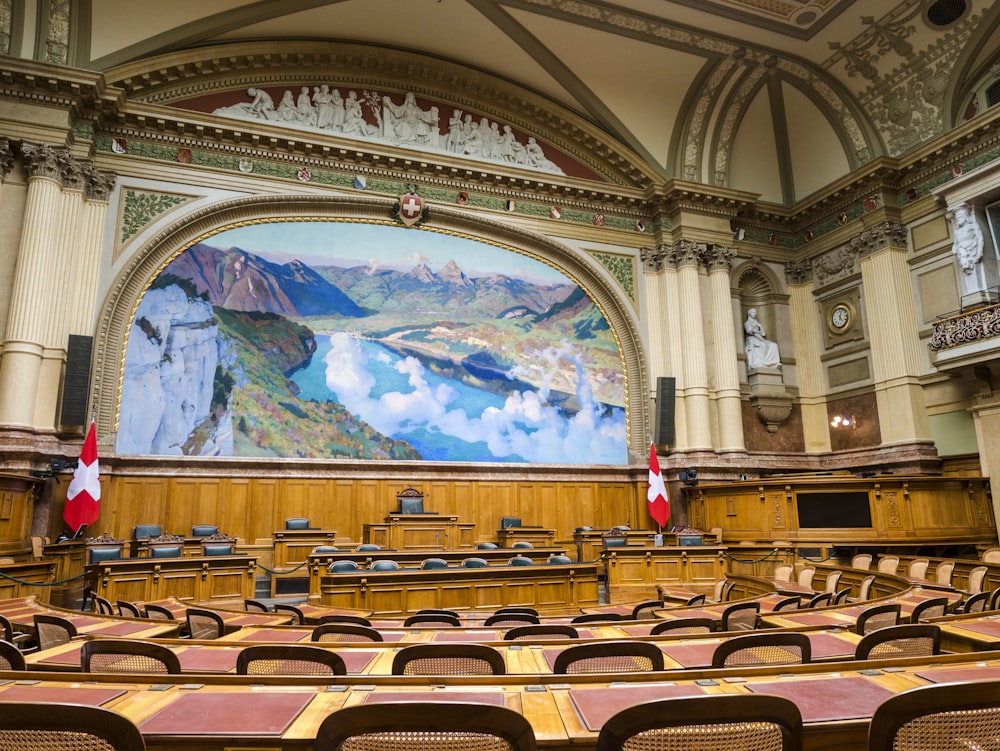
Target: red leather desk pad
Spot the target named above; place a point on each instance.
(694, 613)
(123, 629)
(597, 705)
(356, 660)
(284, 635)
(392, 635)
(82, 621)
(826, 645)
(828, 699)
(69, 657)
(815, 619)
(698, 655)
(208, 660)
(475, 697)
(93, 697)
(468, 635)
(960, 675)
(990, 628)
(637, 630)
(250, 620)
(236, 713)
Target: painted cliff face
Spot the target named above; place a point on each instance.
(340, 340)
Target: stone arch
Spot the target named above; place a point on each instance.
(146, 263)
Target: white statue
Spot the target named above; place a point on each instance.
(407, 123)
(761, 352)
(968, 238)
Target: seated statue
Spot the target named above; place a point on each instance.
(761, 352)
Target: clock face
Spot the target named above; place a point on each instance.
(840, 317)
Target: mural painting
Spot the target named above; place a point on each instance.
(326, 339)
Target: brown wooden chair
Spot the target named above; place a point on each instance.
(821, 600)
(620, 656)
(645, 610)
(741, 617)
(128, 609)
(977, 603)
(432, 620)
(597, 618)
(345, 632)
(888, 564)
(102, 606)
(787, 648)
(861, 560)
(783, 572)
(865, 588)
(53, 630)
(933, 608)
(918, 568)
(542, 632)
(158, 613)
(684, 626)
(23, 640)
(832, 581)
(805, 576)
(255, 606)
(448, 659)
(696, 600)
(297, 616)
(977, 577)
(842, 596)
(425, 726)
(11, 657)
(942, 717)
(944, 571)
(73, 727)
(289, 659)
(730, 721)
(125, 656)
(204, 624)
(515, 609)
(511, 619)
(876, 617)
(356, 620)
(907, 640)
(789, 603)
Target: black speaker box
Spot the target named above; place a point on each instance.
(76, 382)
(664, 431)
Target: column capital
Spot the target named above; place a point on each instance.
(71, 170)
(97, 183)
(799, 272)
(653, 258)
(42, 160)
(6, 157)
(687, 253)
(881, 236)
(719, 257)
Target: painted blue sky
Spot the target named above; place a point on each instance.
(352, 244)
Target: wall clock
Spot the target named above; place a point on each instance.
(840, 318)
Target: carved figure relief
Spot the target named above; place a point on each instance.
(760, 351)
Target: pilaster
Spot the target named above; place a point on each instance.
(687, 256)
(806, 341)
(719, 260)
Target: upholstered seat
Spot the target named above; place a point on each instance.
(384, 566)
(474, 563)
(143, 531)
(342, 567)
(433, 563)
(297, 522)
(165, 551)
(204, 530)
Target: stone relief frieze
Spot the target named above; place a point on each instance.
(57, 33)
(6, 19)
(369, 116)
(835, 265)
(799, 272)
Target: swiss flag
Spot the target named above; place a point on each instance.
(656, 496)
(83, 499)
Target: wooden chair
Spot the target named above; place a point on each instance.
(432, 620)
(865, 588)
(789, 603)
(255, 606)
(879, 616)
(53, 630)
(918, 568)
(907, 640)
(158, 613)
(437, 611)
(888, 564)
(718, 590)
(806, 576)
(832, 581)
(788, 648)
(619, 656)
(841, 597)
(684, 626)
(356, 620)
(729, 721)
(933, 608)
(994, 599)
(991, 555)
(596, 618)
(298, 618)
(102, 606)
(511, 619)
(515, 609)
(11, 658)
(23, 640)
(644, 610)
(741, 617)
(423, 726)
(861, 560)
(943, 572)
(942, 717)
(977, 576)
(125, 656)
(204, 624)
(821, 600)
(345, 632)
(542, 631)
(783, 572)
(977, 603)
(33, 726)
(289, 659)
(696, 600)
(128, 609)
(448, 659)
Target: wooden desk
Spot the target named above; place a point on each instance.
(635, 572)
(421, 532)
(538, 536)
(18, 578)
(189, 578)
(293, 546)
(402, 592)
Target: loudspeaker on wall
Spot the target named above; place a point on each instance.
(76, 382)
(663, 434)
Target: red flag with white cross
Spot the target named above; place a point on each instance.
(83, 498)
(656, 495)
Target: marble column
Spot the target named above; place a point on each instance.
(807, 339)
(33, 290)
(724, 348)
(687, 257)
(82, 309)
(897, 359)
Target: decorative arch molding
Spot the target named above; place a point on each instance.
(153, 256)
(757, 281)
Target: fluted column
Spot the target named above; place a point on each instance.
(687, 257)
(664, 328)
(33, 289)
(87, 260)
(806, 342)
(724, 348)
(897, 360)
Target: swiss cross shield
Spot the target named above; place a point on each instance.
(411, 208)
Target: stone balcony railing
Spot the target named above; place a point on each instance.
(965, 328)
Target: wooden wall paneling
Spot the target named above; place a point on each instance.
(493, 500)
(133, 501)
(489, 596)
(336, 512)
(456, 596)
(194, 501)
(580, 500)
(366, 505)
(521, 593)
(182, 585)
(227, 585)
(236, 510)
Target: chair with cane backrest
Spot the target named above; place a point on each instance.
(684, 626)
(644, 610)
(861, 560)
(511, 619)
(158, 613)
(448, 659)
(289, 659)
(128, 609)
(53, 630)
(933, 608)
(425, 726)
(11, 657)
(876, 617)
(432, 620)
(741, 617)
(102, 606)
(918, 568)
(888, 564)
(994, 599)
(832, 580)
(346, 618)
(542, 632)
(941, 717)
(787, 648)
(841, 597)
(66, 727)
(297, 616)
(345, 632)
(943, 572)
(821, 600)
(990, 555)
(515, 609)
(720, 721)
(696, 600)
(437, 611)
(21, 639)
(976, 578)
(977, 603)
(255, 606)
(783, 572)
(789, 603)
(596, 618)
(806, 575)
(619, 656)
(125, 656)
(204, 624)
(865, 588)
(907, 640)
(718, 590)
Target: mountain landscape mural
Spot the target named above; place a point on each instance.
(339, 340)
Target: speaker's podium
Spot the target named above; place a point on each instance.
(413, 528)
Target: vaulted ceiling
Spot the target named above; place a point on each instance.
(775, 97)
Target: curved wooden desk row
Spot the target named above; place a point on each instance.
(220, 712)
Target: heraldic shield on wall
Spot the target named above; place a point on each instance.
(326, 339)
